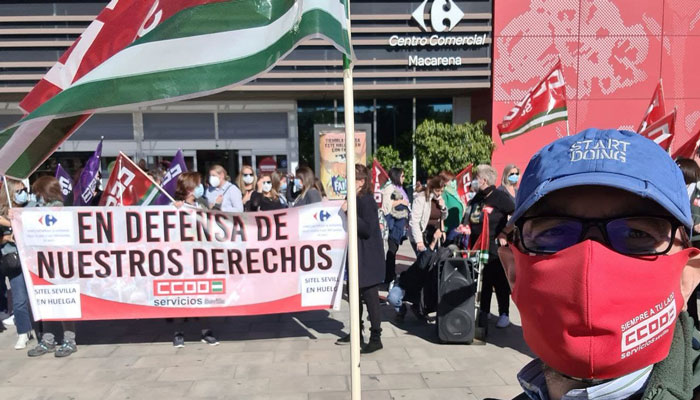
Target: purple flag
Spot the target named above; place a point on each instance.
(89, 179)
(66, 183)
(169, 184)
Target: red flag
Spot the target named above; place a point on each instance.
(688, 149)
(661, 131)
(464, 181)
(128, 185)
(656, 109)
(545, 104)
(379, 179)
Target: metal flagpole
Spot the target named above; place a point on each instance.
(567, 125)
(353, 284)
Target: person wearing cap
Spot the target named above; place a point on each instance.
(600, 264)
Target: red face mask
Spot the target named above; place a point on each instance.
(590, 312)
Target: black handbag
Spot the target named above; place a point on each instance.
(10, 265)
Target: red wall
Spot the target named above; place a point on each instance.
(613, 54)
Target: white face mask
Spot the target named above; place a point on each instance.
(266, 187)
(248, 179)
(214, 181)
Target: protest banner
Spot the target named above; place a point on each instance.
(332, 161)
(464, 181)
(379, 180)
(94, 263)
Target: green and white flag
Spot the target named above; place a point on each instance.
(138, 53)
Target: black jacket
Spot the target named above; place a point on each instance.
(500, 205)
(370, 246)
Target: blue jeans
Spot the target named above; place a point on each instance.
(20, 304)
(395, 297)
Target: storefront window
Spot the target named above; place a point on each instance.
(439, 110)
(394, 125)
(309, 114)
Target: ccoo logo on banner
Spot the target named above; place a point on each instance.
(444, 15)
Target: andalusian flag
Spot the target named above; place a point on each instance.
(143, 52)
(129, 185)
(545, 104)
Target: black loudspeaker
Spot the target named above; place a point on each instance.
(456, 322)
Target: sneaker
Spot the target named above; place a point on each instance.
(346, 339)
(209, 339)
(503, 321)
(66, 349)
(22, 340)
(179, 341)
(10, 321)
(41, 349)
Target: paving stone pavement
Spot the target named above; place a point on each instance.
(281, 356)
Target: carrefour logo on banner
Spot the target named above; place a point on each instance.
(322, 216)
(48, 220)
(444, 15)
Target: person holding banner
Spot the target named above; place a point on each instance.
(267, 197)
(48, 194)
(395, 207)
(304, 184)
(499, 206)
(247, 181)
(189, 192)
(11, 267)
(370, 257)
(428, 209)
(222, 194)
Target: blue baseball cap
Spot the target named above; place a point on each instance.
(619, 159)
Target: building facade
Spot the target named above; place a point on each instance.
(414, 60)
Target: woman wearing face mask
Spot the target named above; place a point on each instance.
(222, 194)
(247, 181)
(267, 196)
(189, 193)
(455, 207)
(509, 181)
(304, 185)
(10, 263)
(48, 193)
(428, 209)
(396, 212)
(370, 257)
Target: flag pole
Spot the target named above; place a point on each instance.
(353, 283)
(165, 192)
(567, 126)
(7, 192)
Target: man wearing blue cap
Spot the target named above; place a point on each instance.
(601, 267)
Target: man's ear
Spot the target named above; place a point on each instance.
(505, 253)
(690, 278)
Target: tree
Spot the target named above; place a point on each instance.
(451, 147)
(389, 158)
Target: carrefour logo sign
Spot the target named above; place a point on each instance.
(444, 15)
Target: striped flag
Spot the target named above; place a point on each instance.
(656, 109)
(545, 104)
(129, 185)
(139, 52)
(661, 131)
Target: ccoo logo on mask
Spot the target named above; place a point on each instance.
(444, 15)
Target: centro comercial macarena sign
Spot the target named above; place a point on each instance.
(444, 16)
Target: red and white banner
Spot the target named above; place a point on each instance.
(688, 149)
(543, 105)
(379, 179)
(94, 263)
(464, 181)
(661, 131)
(656, 109)
(128, 185)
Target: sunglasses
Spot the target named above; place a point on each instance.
(636, 236)
(247, 175)
(514, 173)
